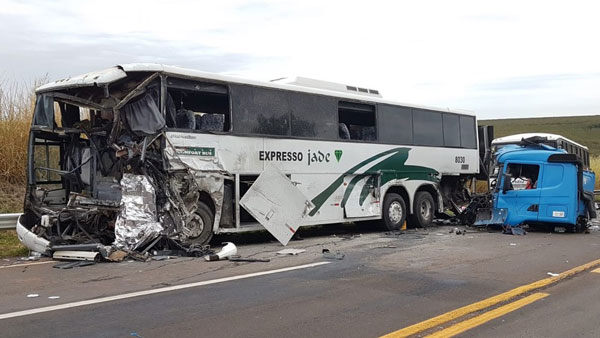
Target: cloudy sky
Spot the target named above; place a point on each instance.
(496, 58)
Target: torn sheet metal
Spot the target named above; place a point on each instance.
(137, 223)
(490, 216)
(277, 204)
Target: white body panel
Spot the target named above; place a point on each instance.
(313, 166)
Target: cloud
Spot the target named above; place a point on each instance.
(461, 54)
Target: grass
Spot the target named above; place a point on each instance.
(10, 245)
(581, 129)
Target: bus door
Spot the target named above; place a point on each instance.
(361, 195)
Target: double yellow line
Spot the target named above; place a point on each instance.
(486, 303)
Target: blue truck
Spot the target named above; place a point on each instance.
(535, 184)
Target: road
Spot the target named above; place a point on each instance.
(384, 283)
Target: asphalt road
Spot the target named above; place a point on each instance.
(383, 284)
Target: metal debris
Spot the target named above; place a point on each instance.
(236, 258)
(329, 255)
(137, 223)
(291, 252)
(75, 264)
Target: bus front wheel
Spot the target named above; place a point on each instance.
(424, 208)
(198, 229)
(394, 211)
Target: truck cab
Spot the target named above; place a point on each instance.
(539, 184)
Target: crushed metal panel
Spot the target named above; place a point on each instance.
(98, 78)
(490, 216)
(137, 223)
(277, 204)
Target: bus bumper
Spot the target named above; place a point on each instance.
(31, 240)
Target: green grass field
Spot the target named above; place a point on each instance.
(581, 129)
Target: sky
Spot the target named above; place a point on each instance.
(497, 59)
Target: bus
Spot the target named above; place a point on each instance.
(125, 155)
(552, 140)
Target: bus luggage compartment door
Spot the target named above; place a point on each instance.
(361, 196)
(276, 203)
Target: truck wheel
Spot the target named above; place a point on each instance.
(424, 209)
(394, 211)
(199, 229)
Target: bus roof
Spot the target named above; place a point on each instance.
(514, 139)
(107, 76)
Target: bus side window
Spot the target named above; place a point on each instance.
(198, 106)
(359, 120)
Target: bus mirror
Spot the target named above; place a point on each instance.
(506, 186)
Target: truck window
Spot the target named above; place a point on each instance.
(523, 176)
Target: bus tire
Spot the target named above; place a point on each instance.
(394, 211)
(424, 210)
(200, 225)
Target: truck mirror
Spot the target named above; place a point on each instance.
(506, 186)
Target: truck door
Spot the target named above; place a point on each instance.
(522, 199)
(559, 193)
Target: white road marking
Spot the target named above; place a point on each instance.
(28, 264)
(151, 292)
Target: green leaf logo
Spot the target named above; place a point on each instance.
(338, 154)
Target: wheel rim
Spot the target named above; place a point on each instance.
(194, 227)
(395, 212)
(426, 209)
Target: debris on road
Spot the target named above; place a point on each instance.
(30, 258)
(516, 230)
(227, 251)
(327, 254)
(291, 252)
(553, 274)
(75, 264)
(236, 258)
(75, 255)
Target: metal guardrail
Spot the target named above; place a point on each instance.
(8, 221)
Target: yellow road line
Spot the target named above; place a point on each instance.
(487, 316)
(503, 297)
(596, 270)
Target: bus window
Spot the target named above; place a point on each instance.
(395, 124)
(313, 116)
(427, 128)
(197, 106)
(451, 130)
(259, 110)
(468, 138)
(358, 119)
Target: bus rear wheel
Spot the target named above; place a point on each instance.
(394, 211)
(424, 209)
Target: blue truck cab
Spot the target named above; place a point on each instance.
(538, 184)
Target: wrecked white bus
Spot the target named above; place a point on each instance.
(139, 152)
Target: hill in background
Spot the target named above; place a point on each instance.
(581, 129)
